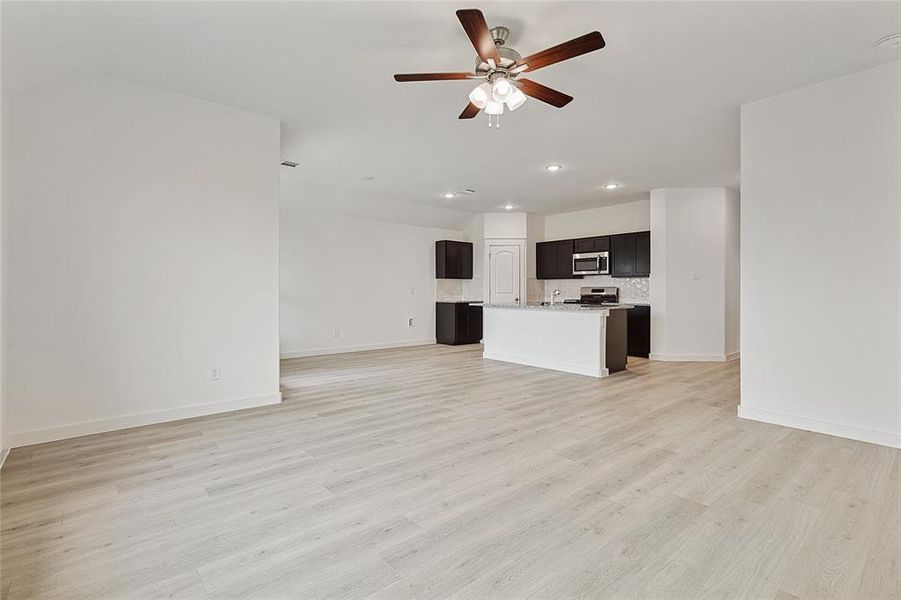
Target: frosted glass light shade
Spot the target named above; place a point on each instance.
(494, 108)
(515, 98)
(480, 95)
(500, 89)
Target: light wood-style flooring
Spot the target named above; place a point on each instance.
(431, 473)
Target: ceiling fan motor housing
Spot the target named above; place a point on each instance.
(509, 57)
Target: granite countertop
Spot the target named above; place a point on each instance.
(560, 307)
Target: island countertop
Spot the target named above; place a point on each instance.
(559, 307)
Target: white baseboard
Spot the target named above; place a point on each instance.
(3, 454)
(873, 436)
(545, 364)
(357, 348)
(691, 357)
(63, 432)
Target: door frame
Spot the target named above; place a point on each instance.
(522, 265)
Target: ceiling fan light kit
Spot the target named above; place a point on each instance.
(500, 67)
(480, 95)
(500, 89)
(515, 99)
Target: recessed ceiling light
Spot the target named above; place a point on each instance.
(449, 195)
(889, 41)
(611, 186)
(509, 207)
(553, 168)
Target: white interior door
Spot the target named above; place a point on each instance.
(504, 274)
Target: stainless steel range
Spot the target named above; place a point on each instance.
(594, 296)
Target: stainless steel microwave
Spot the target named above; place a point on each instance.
(591, 263)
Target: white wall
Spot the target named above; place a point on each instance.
(4, 261)
(733, 272)
(821, 257)
(475, 233)
(323, 288)
(692, 247)
(144, 252)
(534, 234)
(620, 218)
(506, 225)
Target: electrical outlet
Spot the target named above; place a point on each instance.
(215, 373)
(336, 332)
(410, 322)
(412, 291)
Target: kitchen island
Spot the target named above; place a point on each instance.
(564, 337)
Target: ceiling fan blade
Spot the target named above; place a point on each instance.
(543, 93)
(469, 112)
(433, 76)
(476, 28)
(576, 47)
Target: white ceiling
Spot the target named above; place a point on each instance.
(659, 106)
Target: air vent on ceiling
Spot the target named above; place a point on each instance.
(288, 163)
(469, 191)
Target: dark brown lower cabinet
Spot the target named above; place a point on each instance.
(458, 323)
(640, 331)
(616, 347)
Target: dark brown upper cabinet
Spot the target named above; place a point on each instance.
(545, 260)
(554, 260)
(631, 254)
(453, 260)
(592, 244)
(643, 254)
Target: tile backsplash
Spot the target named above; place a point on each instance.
(534, 291)
(458, 290)
(635, 289)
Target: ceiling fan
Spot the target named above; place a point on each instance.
(500, 67)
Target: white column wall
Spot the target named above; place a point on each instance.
(689, 263)
(821, 257)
